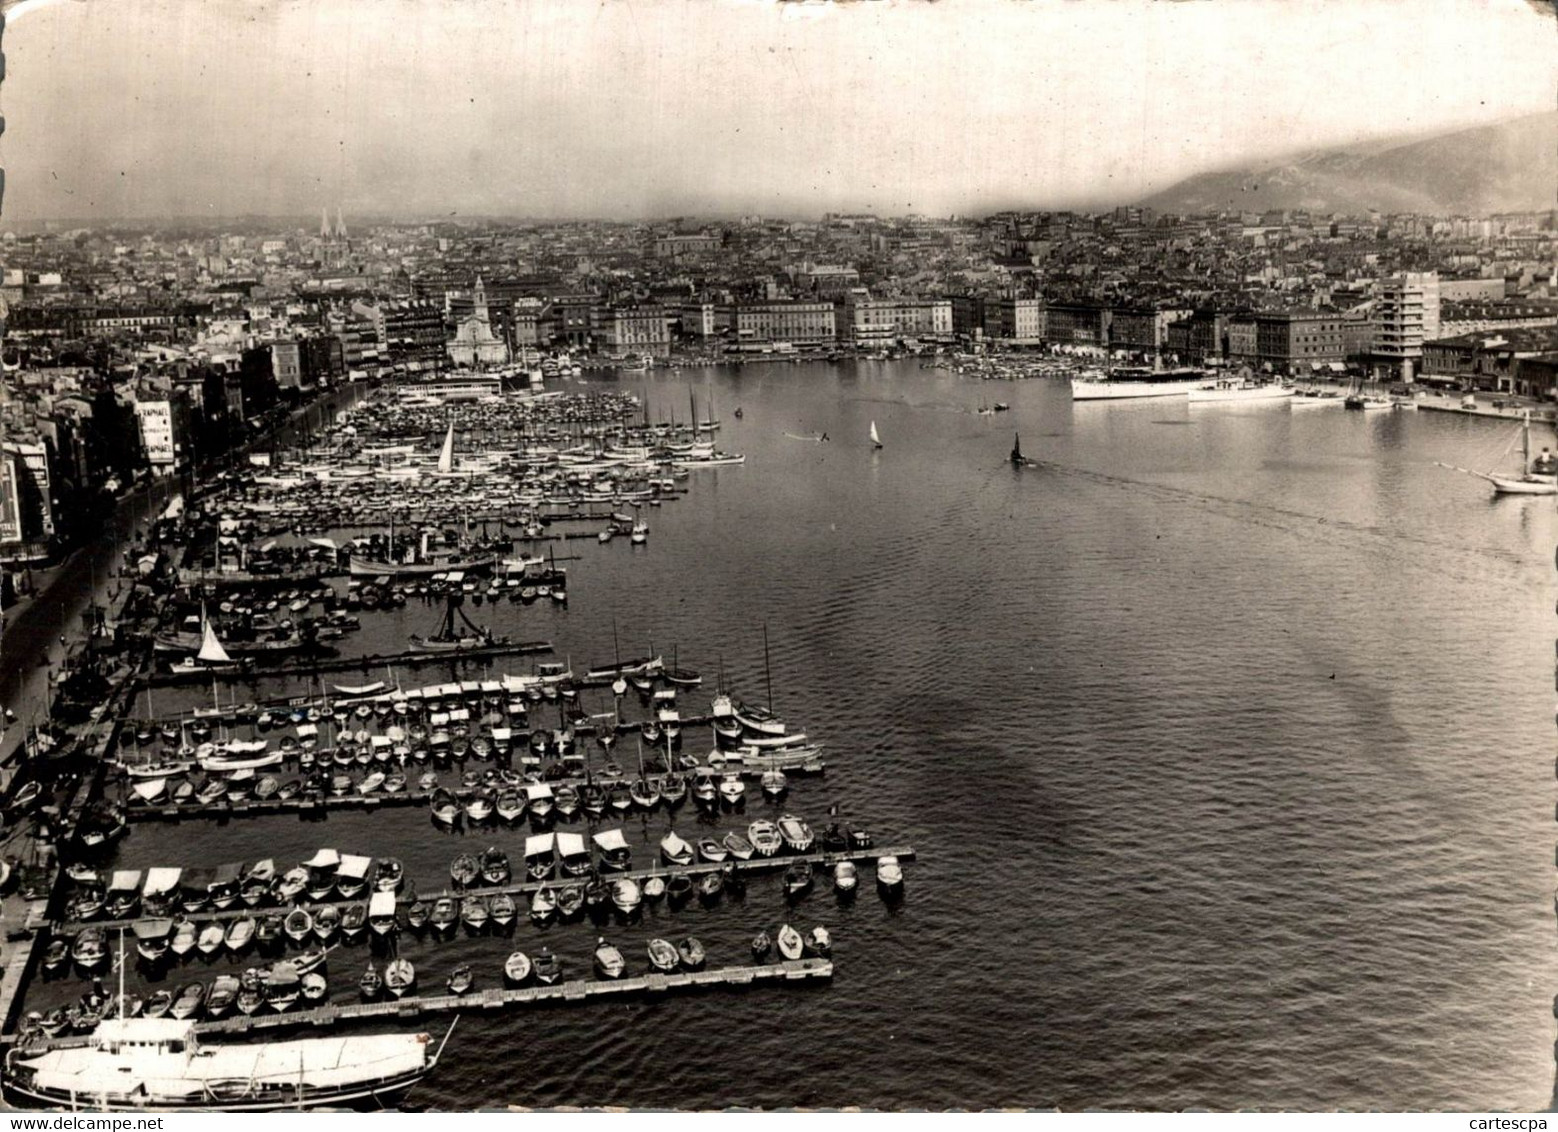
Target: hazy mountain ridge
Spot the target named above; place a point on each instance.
(1506, 167)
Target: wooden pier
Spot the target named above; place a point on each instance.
(756, 865)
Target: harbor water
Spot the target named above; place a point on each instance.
(1222, 733)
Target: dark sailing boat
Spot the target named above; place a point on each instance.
(449, 638)
(1018, 459)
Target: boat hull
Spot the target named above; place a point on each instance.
(1128, 390)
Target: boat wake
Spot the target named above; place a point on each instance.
(818, 437)
(1479, 560)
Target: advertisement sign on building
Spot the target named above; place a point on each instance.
(156, 419)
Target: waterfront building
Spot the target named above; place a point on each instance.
(1298, 339)
(1077, 324)
(26, 502)
(473, 343)
(637, 330)
(782, 321)
(880, 322)
(1406, 314)
(1014, 321)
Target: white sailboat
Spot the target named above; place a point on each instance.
(1537, 477)
(211, 650)
(876, 440)
(446, 455)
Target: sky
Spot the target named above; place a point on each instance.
(129, 109)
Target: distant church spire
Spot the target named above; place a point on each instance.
(324, 223)
(481, 300)
(340, 224)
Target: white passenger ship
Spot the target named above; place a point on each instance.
(1136, 382)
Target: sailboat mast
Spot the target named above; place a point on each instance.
(768, 676)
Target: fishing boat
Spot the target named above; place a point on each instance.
(819, 941)
(400, 976)
(711, 850)
(845, 877)
(548, 968)
(609, 963)
(152, 939)
(543, 904)
(889, 874)
(662, 956)
(613, 848)
(791, 946)
(774, 784)
(445, 806)
(516, 969)
(626, 895)
(503, 909)
(461, 980)
(371, 985)
(674, 850)
(691, 953)
(494, 867)
(189, 1000)
(185, 937)
(298, 925)
(540, 855)
(761, 946)
(381, 914)
(797, 878)
(445, 913)
(796, 833)
(222, 997)
(464, 870)
(765, 837)
(737, 846)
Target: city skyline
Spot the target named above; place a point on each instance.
(663, 108)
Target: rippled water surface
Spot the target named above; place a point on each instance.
(1223, 736)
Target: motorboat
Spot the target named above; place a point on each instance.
(354, 921)
(570, 900)
(737, 846)
(845, 877)
(819, 941)
(222, 997)
(791, 946)
(711, 850)
(774, 783)
(797, 878)
(502, 909)
(761, 946)
(732, 790)
(445, 914)
(609, 963)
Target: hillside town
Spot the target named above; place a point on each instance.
(131, 353)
